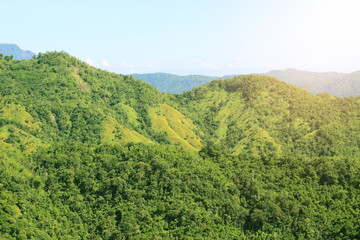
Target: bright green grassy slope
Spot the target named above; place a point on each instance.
(176, 127)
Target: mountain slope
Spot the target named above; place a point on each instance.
(263, 116)
(16, 52)
(337, 84)
(57, 98)
(70, 101)
(88, 154)
(171, 83)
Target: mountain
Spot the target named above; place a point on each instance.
(337, 84)
(171, 83)
(89, 154)
(261, 115)
(14, 50)
(58, 98)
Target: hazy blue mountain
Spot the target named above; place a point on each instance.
(337, 84)
(230, 76)
(172, 83)
(18, 53)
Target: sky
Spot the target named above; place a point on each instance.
(210, 37)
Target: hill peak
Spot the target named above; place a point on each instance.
(9, 49)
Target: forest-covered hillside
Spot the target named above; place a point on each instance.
(89, 154)
(57, 98)
(264, 116)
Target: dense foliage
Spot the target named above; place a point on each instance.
(88, 154)
(67, 100)
(265, 117)
(146, 191)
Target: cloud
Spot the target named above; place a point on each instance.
(270, 66)
(125, 65)
(239, 59)
(208, 65)
(236, 66)
(105, 63)
(90, 62)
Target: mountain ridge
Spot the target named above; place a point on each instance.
(219, 111)
(172, 83)
(78, 96)
(335, 83)
(88, 154)
(9, 49)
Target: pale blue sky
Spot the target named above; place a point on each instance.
(213, 37)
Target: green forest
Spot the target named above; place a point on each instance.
(90, 154)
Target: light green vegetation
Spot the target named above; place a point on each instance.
(175, 127)
(263, 116)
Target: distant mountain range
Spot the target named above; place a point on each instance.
(334, 83)
(337, 84)
(18, 53)
(172, 83)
